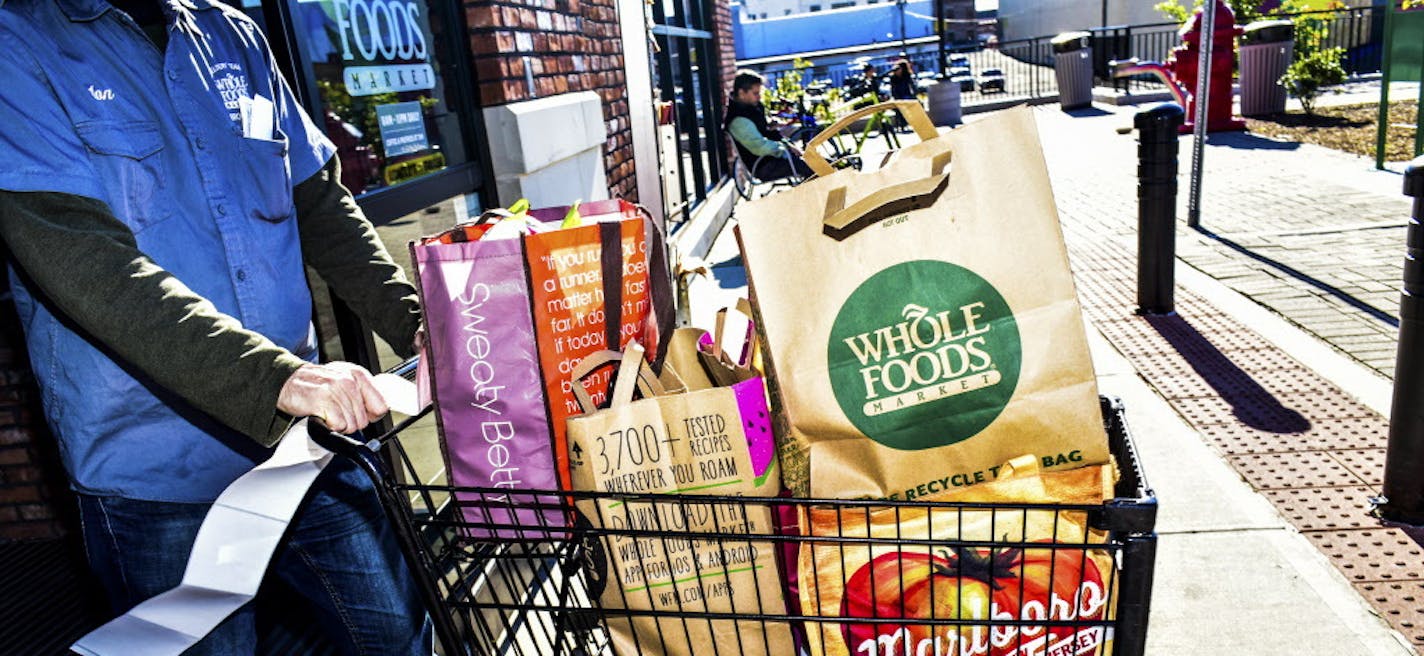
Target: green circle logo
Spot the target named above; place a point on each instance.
(924, 354)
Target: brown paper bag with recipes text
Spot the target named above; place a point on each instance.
(690, 443)
(898, 581)
(920, 323)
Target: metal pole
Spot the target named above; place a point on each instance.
(1382, 129)
(1419, 119)
(1199, 102)
(1157, 206)
(1403, 499)
(939, 31)
(902, 24)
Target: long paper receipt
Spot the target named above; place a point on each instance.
(234, 545)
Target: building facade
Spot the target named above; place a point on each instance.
(1027, 19)
(818, 31)
(955, 10)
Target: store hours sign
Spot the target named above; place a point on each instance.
(384, 46)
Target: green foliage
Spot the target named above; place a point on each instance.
(1246, 10)
(1311, 29)
(1173, 11)
(1309, 73)
(788, 87)
(823, 110)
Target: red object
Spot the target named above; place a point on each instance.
(1034, 584)
(1183, 64)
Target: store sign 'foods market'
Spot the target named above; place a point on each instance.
(384, 45)
(932, 368)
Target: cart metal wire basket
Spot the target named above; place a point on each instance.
(498, 584)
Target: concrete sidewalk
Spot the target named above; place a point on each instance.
(1314, 234)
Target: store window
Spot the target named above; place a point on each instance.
(388, 81)
(689, 80)
(380, 85)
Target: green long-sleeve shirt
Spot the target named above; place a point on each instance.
(87, 262)
(746, 133)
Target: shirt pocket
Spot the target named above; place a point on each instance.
(268, 183)
(127, 156)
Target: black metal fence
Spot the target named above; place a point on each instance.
(1359, 32)
(1026, 66)
(1013, 70)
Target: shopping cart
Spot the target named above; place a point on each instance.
(534, 588)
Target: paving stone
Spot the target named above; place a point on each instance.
(1314, 452)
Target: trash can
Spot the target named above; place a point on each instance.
(1073, 66)
(1266, 51)
(944, 106)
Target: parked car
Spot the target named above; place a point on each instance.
(965, 81)
(960, 62)
(991, 80)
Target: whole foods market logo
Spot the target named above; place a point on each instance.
(383, 45)
(924, 354)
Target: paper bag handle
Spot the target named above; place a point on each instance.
(842, 221)
(719, 333)
(633, 370)
(912, 110)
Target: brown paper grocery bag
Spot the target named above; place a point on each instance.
(865, 562)
(920, 322)
(658, 555)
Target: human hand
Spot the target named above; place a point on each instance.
(340, 394)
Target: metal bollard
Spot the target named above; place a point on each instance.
(1403, 499)
(1157, 206)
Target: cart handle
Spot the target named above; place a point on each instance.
(337, 443)
(912, 110)
(349, 447)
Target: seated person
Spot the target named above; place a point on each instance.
(761, 148)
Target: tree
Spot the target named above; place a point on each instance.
(788, 87)
(1309, 73)
(1246, 10)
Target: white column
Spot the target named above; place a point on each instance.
(633, 23)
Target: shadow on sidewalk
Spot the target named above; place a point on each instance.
(730, 274)
(1086, 112)
(1250, 403)
(1248, 141)
(1306, 278)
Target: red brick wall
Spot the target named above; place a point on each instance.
(572, 45)
(727, 57)
(34, 500)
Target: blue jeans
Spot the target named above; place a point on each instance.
(339, 554)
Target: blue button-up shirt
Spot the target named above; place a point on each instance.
(89, 106)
